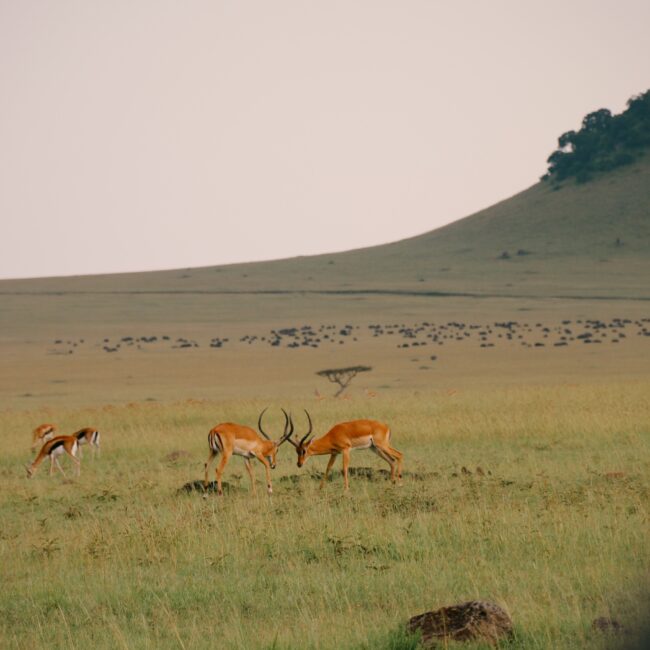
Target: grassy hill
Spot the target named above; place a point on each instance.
(581, 240)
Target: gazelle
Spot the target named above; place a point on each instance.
(229, 438)
(53, 448)
(342, 439)
(88, 436)
(42, 434)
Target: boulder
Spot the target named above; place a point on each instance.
(474, 620)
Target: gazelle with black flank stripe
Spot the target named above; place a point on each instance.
(88, 436)
(41, 434)
(53, 449)
(230, 439)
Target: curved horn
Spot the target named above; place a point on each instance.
(288, 430)
(302, 440)
(259, 424)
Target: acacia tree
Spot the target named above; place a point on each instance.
(342, 376)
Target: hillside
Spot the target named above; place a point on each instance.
(581, 240)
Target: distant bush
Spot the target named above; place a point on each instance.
(604, 142)
(342, 376)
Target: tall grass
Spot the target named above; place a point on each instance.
(553, 526)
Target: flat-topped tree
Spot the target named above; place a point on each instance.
(342, 376)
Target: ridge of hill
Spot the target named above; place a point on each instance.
(587, 240)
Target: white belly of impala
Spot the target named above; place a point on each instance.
(363, 443)
(242, 450)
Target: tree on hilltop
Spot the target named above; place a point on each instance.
(604, 142)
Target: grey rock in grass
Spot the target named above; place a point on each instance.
(475, 620)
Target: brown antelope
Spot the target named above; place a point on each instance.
(88, 436)
(229, 438)
(53, 448)
(342, 439)
(42, 434)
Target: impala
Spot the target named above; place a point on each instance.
(229, 438)
(88, 436)
(42, 434)
(342, 439)
(53, 448)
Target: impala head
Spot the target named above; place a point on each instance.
(30, 471)
(303, 444)
(274, 445)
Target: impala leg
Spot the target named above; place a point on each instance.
(267, 469)
(79, 451)
(327, 469)
(207, 465)
(384, 455)
(346, 464)
(220, 467)
(400, 460)
(397, 456)
(51, 465)
(249, 469)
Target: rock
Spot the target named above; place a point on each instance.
(473, 620)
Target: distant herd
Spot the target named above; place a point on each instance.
(415, 335)
(228, 439)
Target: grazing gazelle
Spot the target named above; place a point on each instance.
(228, 439)
(343, 438)
(42, 434)
(88, 436)
(53, 448)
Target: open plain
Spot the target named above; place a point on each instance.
(517, 387)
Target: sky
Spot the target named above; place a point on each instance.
(154, 134)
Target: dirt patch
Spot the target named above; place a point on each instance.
(175, 456)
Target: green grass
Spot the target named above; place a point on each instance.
(550, 531)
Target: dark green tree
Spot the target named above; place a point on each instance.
(604, 142)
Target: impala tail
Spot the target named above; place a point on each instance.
(214, 442)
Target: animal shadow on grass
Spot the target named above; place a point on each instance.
(364, 473)
(198, 486)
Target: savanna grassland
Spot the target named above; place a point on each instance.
(510, 356)
(534, 497)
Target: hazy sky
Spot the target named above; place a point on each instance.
(150, 134)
